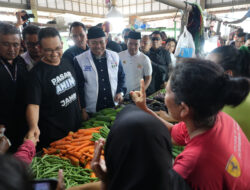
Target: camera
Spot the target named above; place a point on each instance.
(28, 16)
(44, 184)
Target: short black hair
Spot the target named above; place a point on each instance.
(171, 40)
(6, 29)
(233, 59)
(156, 33)
(18, 171)
(47, 32)
(240, 30)
(203, 85)
(242, 34)
(125, 31)
(76, 24)
(99, 25)
(30, 30)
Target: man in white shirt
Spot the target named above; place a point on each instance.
(136, 65)
(30, 37)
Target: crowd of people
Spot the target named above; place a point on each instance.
(46, 93)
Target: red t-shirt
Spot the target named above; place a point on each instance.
(215, 160)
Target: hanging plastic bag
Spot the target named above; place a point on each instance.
(185, 46)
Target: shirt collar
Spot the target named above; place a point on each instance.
(138, 53)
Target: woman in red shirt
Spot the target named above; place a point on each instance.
(217, 152)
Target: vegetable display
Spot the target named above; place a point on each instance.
(77, 147)
(75, 152)
(48, 166)
(101, 118)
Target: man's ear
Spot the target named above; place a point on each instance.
(229, 72)
(185, 110)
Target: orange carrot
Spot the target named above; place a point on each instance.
(83, 145)
(45, 151)
(91, 150)
(89, 155)
(74, 160)
(92, 175)
(88, 166)
(60, 147)
(86, 149)
(75, 154)
(82, 138)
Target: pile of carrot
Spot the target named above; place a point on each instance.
(76, 147)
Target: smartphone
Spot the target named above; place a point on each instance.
(44, 184)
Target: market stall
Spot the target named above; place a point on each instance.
(74, 152)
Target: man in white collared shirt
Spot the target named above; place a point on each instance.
(30, 37)
(136, 65)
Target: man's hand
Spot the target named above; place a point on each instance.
(139, 97)
(34, 139)
(119, 98)
(19, 18)
(85, 115)
(33, 133)
(98, 165)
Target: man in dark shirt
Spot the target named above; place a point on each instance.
(161, 61)
(111, 45)
(13, 74)
(30, 37)
(78, 33)
(52, 97)
(100, 75)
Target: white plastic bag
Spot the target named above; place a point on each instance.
(185, 46)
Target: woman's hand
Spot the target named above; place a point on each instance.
(98, 165)
(139, 97)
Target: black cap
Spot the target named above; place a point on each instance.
(134, 35)
(95, 32)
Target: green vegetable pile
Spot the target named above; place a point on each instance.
(104, 117)
(48, 166)
(103, 134)
(176, 150)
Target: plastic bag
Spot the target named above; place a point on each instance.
(185, 46)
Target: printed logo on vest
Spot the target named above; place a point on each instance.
(233, 167)
(87, 68)
(113, 65)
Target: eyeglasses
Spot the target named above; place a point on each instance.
(7, 44)
(32, 44)
(155, 38)
(51, 51)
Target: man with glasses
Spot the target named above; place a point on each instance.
(79, 36)
(160, 59)
(136, 64)
(13, 75)
(30, 37)
(52, 97)
(100, 75)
